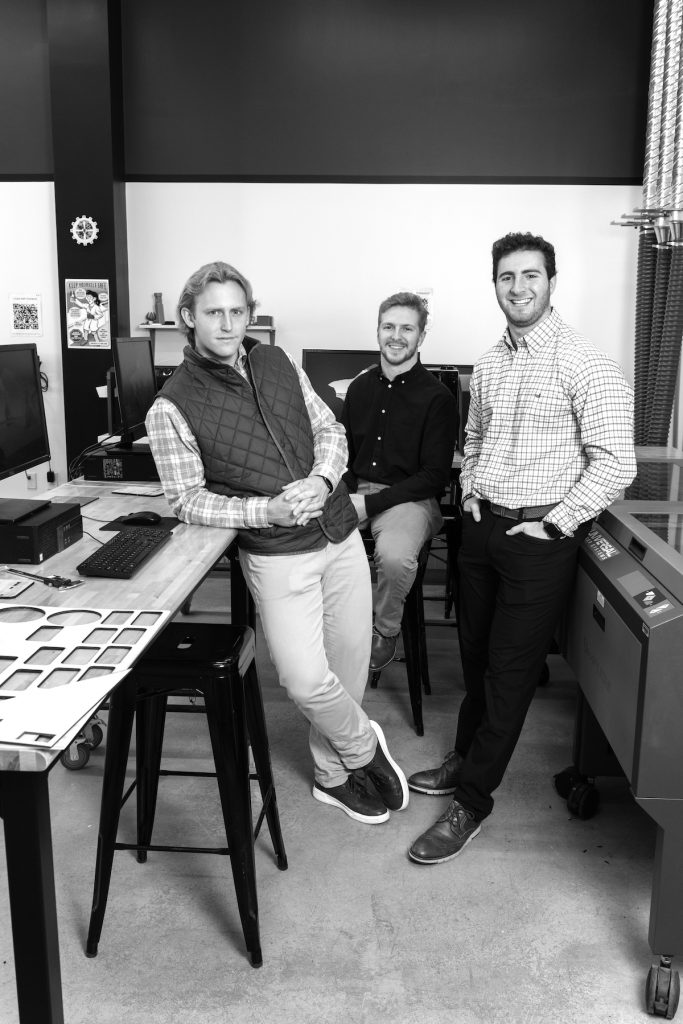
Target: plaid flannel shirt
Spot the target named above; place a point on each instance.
(550, 420)
(181, 469)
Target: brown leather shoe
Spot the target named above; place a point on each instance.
(438, 781)
(383, 650)
(448, 836)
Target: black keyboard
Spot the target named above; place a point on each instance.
(123, 554)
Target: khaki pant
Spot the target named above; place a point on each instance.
(398, 533)
(316, 613)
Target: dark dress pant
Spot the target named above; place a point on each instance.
(512, 591)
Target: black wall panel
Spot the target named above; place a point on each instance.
(354, 89)
(26, 149)
(386, 89)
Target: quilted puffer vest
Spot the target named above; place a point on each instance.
(253, 441)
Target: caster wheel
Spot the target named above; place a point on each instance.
(76, 756)
(583, 800)
(662, 992)
(97, 736)
(566, 780)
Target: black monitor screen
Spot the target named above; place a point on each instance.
(24, 441)
(136, 384)
(330, 370)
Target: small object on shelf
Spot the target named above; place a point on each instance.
(158, 308)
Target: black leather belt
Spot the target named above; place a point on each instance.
(519, 514)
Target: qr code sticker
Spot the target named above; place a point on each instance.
(25, 315)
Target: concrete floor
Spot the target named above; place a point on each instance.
(542, 919)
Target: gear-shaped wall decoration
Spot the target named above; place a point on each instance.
(84, 230)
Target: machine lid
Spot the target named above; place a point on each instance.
(657, 480)
(668, 526)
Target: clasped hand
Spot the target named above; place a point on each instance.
(300, 501)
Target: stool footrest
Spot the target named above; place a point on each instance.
(148, 847)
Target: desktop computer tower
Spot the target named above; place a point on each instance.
(456, 377)
(463, 408)
(447, 374)
(39, 536)
(117, 464)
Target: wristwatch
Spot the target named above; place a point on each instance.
(552, 531)
(328, 482)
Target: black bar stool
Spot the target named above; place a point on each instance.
(242, 605)
(414, 638)
(216, 660)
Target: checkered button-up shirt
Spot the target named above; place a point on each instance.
(550, 420)
(181, 469)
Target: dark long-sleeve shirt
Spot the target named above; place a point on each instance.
(401, 433)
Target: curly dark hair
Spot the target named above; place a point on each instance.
(517, 241)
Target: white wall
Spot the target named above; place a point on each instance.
(321, 257)
(28, 265)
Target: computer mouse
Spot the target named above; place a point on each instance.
(142, 519)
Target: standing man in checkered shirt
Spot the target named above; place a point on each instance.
(549, 446)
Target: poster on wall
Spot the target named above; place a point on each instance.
(26, 316)
(427, 296)
(87, 313)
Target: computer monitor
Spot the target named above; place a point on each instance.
(136, 385)
(330, 370)
(24, 441)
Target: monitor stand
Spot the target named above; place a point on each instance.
(13, 510)
(129, 448)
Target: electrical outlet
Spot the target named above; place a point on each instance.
(31, 481)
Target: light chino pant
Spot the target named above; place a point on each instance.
(316, 614)
(398, 533)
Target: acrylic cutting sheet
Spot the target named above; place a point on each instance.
(57, 665)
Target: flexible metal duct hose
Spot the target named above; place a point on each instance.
(669, 105)
(669, 353)
(647, 261)
(658, 312)
(652, 482)
(677, 181)
(655, 107)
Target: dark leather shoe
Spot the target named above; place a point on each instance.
(383, 650)
(354, 799)
(448, 836)
(438, 781)
(385, 775)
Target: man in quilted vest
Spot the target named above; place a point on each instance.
(241, 440)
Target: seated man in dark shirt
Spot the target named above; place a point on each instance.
(400, 424)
